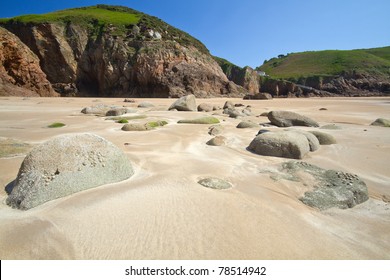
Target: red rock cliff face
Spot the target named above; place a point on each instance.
(20, 72)
(137, 64)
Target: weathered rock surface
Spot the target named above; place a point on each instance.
(247, 124)
(99, 109)
(288, 144)
(184, 103)
(20, 72)
(116, 111)
(332, 188)
(136, 127)
(215, 183)
(215, 129)
(217, 141)
(287, 118)
(204, 107)
(324, 138)
(65, 165)
(146, 59)
(381, 122)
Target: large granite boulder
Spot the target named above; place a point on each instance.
(287, 144)
(287, 118)
(65, 165)
(185, 103)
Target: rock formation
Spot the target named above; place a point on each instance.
(331, 189)
(144, 58)
(67, 164)
(20, 73)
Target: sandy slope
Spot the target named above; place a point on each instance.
(162, 213)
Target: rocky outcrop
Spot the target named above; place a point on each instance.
(65, 165)
(20, 72)
(147, 59)
(350, 84)
(331, 188)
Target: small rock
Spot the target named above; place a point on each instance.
(217, 141)
(215, 183)
(215, 129)
(145, 105)
(247, 124)
(204, 107)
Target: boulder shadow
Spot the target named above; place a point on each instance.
(9, 187)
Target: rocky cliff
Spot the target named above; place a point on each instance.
(20, 72)
(116, 51)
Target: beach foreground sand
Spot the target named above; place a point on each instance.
(163, 213)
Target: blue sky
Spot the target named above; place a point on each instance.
(247, 32)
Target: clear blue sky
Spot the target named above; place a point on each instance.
(247, 32)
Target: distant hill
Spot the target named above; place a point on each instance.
(329, 63)
(360, 72)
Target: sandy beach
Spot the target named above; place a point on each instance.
(163, 213)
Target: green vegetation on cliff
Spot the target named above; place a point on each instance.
(118, 19)
(329, 63)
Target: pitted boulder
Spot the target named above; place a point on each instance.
(65, 165)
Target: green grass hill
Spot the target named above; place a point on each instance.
(329, 63)
(100, 18)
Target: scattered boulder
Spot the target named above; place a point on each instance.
(128, 100)
(143, 126)
(247, 111)
(100, 109)
(228, 105)
(332, 188)
(247, 124)
(381, 122)
(136, 127)
(324, 138)
(204, 107)
(216, 107)
(287, 144)
(119, 111)
(145, 105)
(203, 120)
(215, 129)
(287, 118)
(323, 109)
(65, 165)
(217, 141)
(215, 183)
(185, 103)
